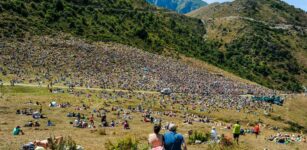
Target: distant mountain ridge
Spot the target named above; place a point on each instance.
(272, 11)
(180, 6)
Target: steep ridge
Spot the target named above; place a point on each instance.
(266, 40)
(180, 6)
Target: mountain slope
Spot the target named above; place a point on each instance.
(271, 11)
(132, 22)
(264, 40)
(180, 6)
(138, 24)
(64, 59)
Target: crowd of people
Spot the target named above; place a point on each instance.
(287, 138)
(75, 63)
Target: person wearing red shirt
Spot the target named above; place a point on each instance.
(257, 130)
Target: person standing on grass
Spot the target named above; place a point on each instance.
(173, 140)
(236, 131)
(155, 139)
(92, 120)
(257, 130)
(214, 137)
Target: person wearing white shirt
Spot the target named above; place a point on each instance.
(214, 137)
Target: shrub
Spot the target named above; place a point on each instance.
(277, 118)
(294, 127)
(127, 143)
(59, 5)
(198, 136)
(67, 143)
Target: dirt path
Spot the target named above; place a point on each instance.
(81, 88)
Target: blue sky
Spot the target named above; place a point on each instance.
(297, 3)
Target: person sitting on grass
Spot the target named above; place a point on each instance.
(225, 141)
(84, 124)
(78, 116)
(18, 131)
(29, 124)
(18, 112)
(126, 125)
(146, 119)
(36, 115)
(77, 123)
(112, 123)
(49, 123)
(36, 124)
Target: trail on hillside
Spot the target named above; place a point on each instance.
(80, 88)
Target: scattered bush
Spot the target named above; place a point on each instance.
(294, 127)
(198, 136)
(60, 144)
(127, 143)
(277, 118)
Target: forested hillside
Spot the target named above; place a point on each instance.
(131, 22)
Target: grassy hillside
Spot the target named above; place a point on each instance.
(138, 24)
(272, 11)
(131, 22)
(266, 40)
(18, 97)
